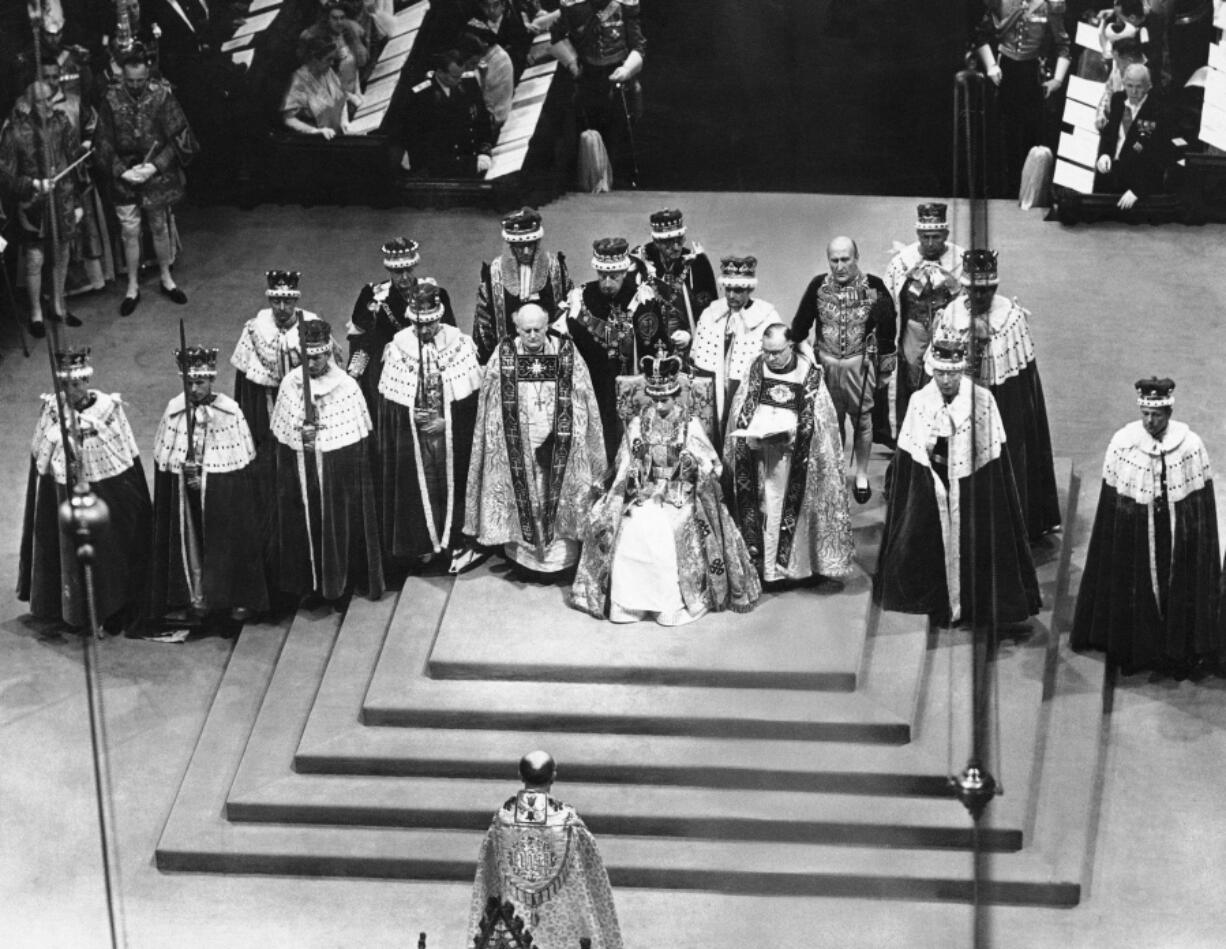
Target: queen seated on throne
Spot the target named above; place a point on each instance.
(660, 544)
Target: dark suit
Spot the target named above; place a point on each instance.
(446, 132)
(1147, 152)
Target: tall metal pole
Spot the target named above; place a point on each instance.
(83, 513)
(976, 786)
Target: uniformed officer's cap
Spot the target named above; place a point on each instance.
(610, 254)
(931, 217)
(738, 273)
(73, 363)
(979, 268)
(522, 227)
(316, 336)
(424, 304)
(401, 254)
(667, 223)
(282, 284)
(198, 362)
(1155, 393)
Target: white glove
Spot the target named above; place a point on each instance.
(995, 74)
(1104, 164)
(483, 164)
(131, 176)
(1127, 200)
(680, 338)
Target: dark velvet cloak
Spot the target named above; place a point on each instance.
(227, 528)
(341, 545)
(997, 576)
(49, 576)
(1023, 410)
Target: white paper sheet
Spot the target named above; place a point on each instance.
(243, 57)
(1217, 56)
(1079, 115)
(388, 66)
(410, 18)
(1073, 176)
(364, 124)
(1087, 36)
(540, 69)
(237, 43)
(258, 5)
(256, 24)
(400, 44)
(507, 163)
(1080, 147)
(1085, 90)
(531, 88)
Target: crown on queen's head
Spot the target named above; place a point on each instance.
(667, 223)
(73, 363)
(948, 350)
(198, 362)
(662, 374)
(931, 217)
(610, 254)
(424, 304)
(282, 284)
(1155, 393)
(316, 337)
(739, 273)
(979, 268)
(401, 254)
(522, 227)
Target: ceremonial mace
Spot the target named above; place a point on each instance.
(81, 517)
(976, 786)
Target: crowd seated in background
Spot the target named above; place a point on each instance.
(316, 100)
(347, 39)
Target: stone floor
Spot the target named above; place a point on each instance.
(1110, 304)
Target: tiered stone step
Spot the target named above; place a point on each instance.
(315, 767)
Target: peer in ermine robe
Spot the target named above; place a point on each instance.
(1150, 588)
(954, 543)
(207, 544)
(327, 517)
(427, 412)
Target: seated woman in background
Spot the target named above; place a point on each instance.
(315, 102)
(346, 38)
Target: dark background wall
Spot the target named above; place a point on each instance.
(851, 96)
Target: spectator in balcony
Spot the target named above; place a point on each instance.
(347, 39)
(503, 25)
(315, 102)
(494, 71)
(1125, 53)
(1135, 149)
(449, 129)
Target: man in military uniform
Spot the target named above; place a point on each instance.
(604, 318)
(207, 536)
(681, 277)
(36, 131)
(1023, 32)
(380, 312)
(523, 274)
(730, 332)
(1000, 355)
(601, 43)
(144, 142)
(449, 133)
(853, 320)
(922, 278)
(539, 856)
